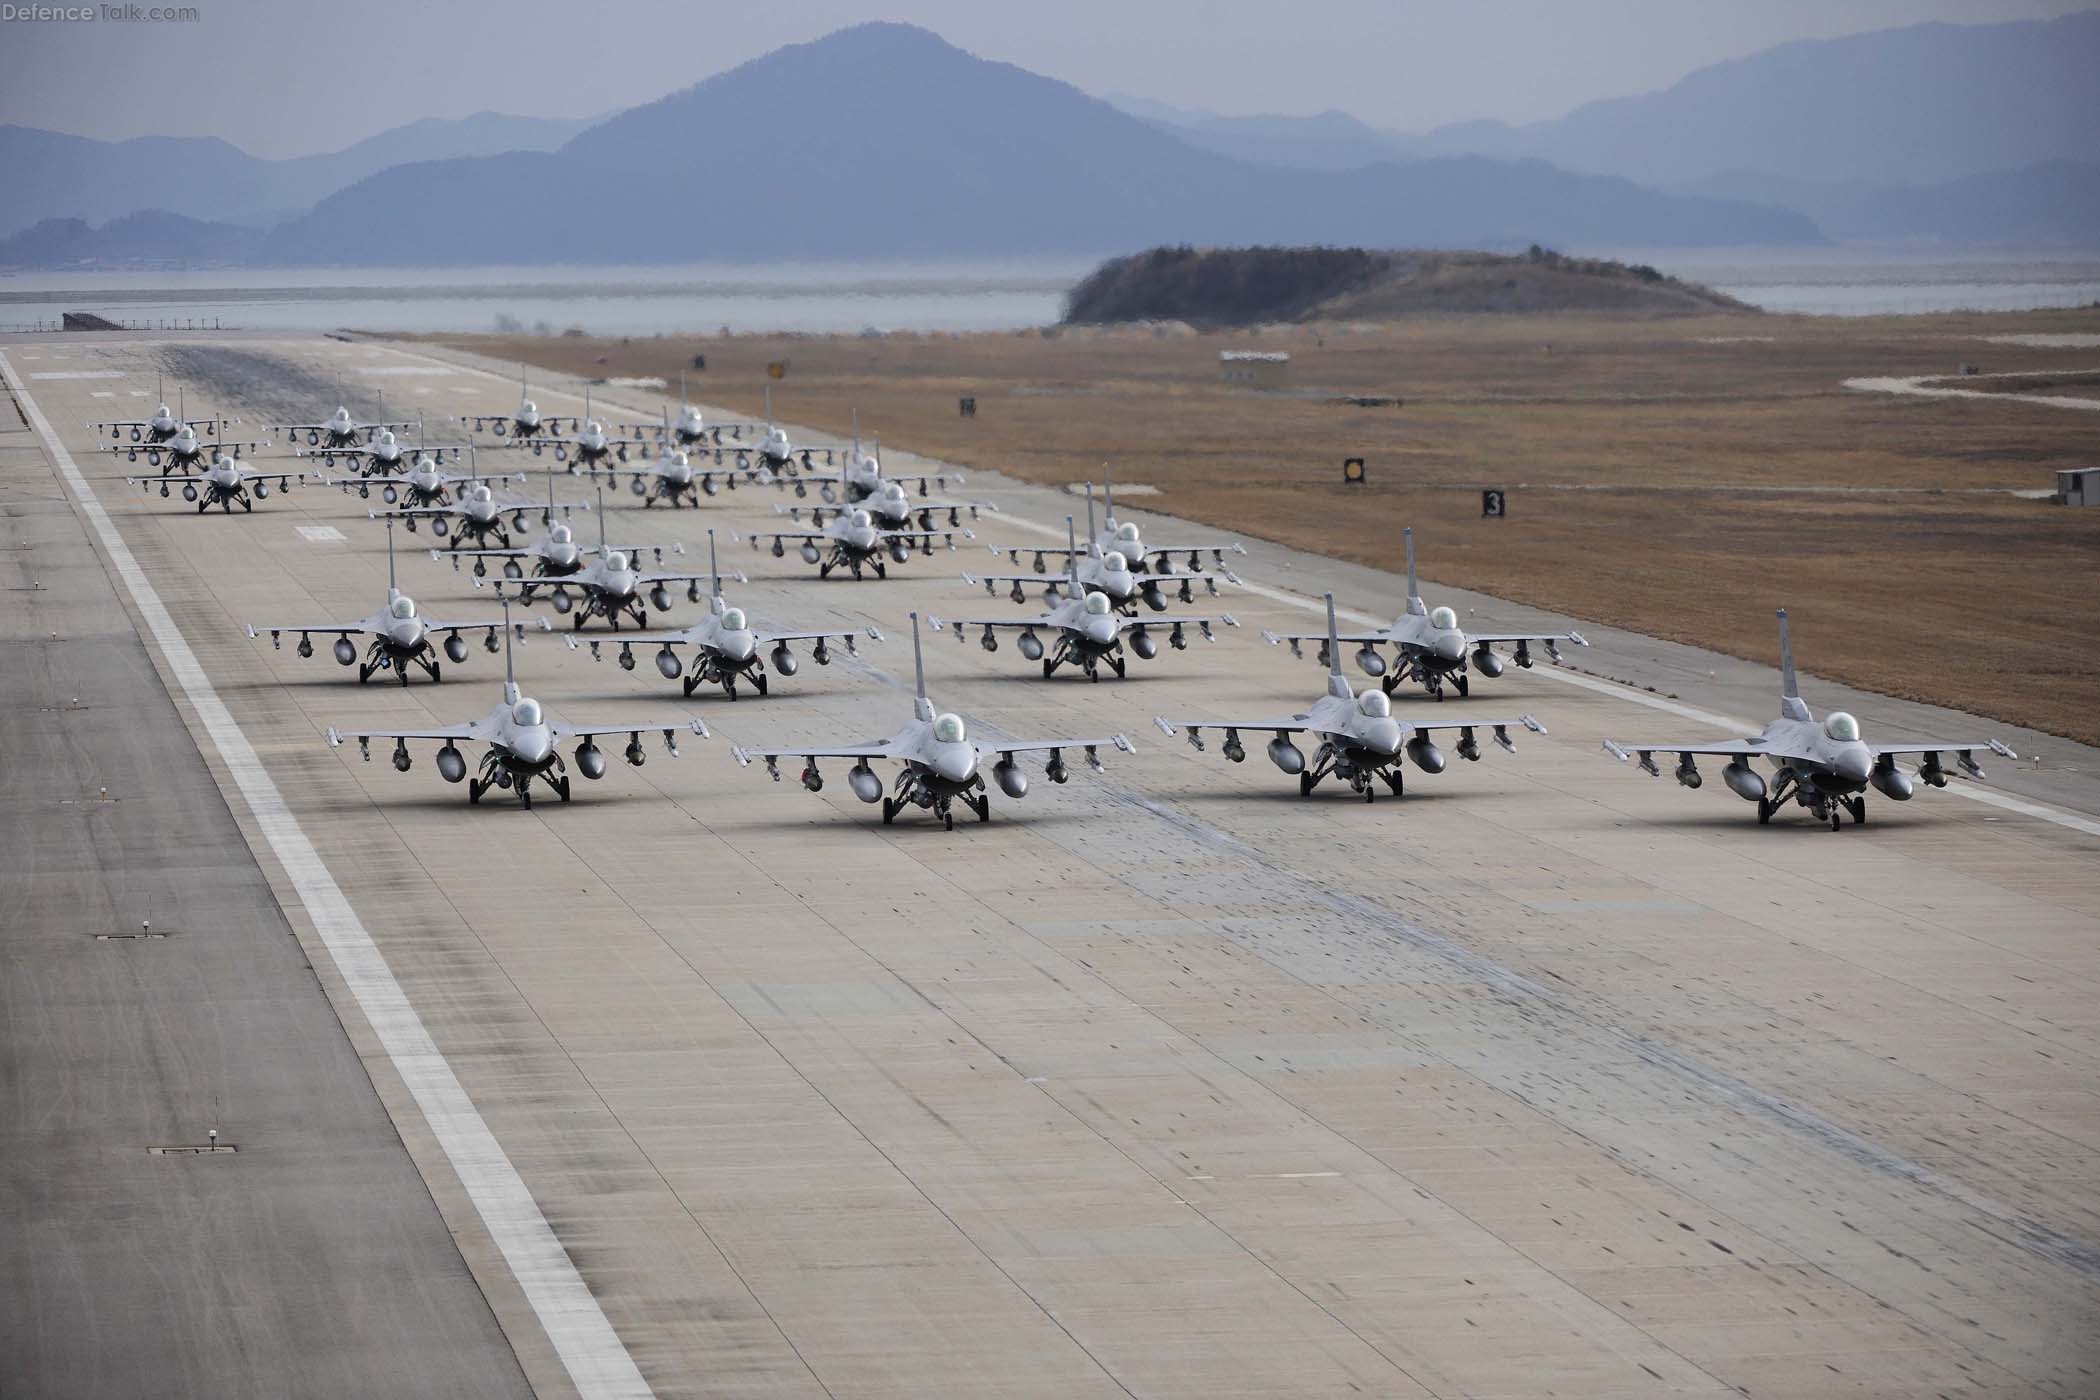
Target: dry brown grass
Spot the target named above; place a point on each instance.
(1705, 463)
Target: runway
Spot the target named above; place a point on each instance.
(1546, 1079)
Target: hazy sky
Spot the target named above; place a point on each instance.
(289, 77)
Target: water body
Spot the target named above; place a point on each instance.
(847, 298)
(809, 297)
(1885, 282)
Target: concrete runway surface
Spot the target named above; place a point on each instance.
(1547, 1079)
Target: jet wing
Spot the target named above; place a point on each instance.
(1284, 725)
(1119, 742)
(1296, 640)
(1945, 746)
(483, 728)
(1195, 552)
(849, 634)
(562, 731)
(1726, 748)
(884, 748)
(1549, 638)
(276, 629)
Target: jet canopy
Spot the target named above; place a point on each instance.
(481, 493)
(733, 620)
(1443, 619)
(1097, 604)
(860, 518)
(1115, 563)
(1841, 727)
(893, 491)
(1127, 532)
(950, 729)
(1373, 704)
(559, 534)
(403, 608)
(526, 713)
(616, 562)
(527, 406)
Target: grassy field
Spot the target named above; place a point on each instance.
(1678, 477)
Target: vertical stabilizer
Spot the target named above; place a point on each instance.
(1337, 683)
(1415, 606)
(1072, 558)
(1791, 706)
(393, 590)
(922, 707)
(1091, 532)
(510, 674)
(713, 572)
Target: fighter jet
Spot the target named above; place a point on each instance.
(476, 515)
(1360, 741)
(1085, 629)
(726, 647)
(382, 456)
(861, 476)
(590, 445)
(1825, 767)
(556, 555)
(1107, 567)
(426, 484)
(776, 454)
(162, 425)
(852, 540)
(1429, 645)
(941, 761)
(523, 424)
(400, 635)
(340, 429)
(608, 586)
(184, 451)
(891, 509)
(225, 483)
(521, 742)
(672, 477)
(690, 431)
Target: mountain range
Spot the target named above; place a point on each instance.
(1979, 134)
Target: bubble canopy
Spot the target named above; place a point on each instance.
(1443, 619)
(1373, 703)
(526, 712)
(950, 729)
(1841, 727)
(1097, 604)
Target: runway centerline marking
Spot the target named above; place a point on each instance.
(592, 1353)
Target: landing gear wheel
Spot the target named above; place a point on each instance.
(758, 681)
(882, 570)
(729, 686)
(823, 571)
(1765, 807)
(1858, 807)
(561, 788)
(983, 803)
(1464, 684)
(1394, 781)
(856, 569)
(1118, 665)
(1306, 783)
(1049, 667)
(889, 810)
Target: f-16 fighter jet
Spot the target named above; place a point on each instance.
(861, 476)
(525, 423)
(400, 634)
(726, 647)
(521, 743)
(340, 429)
(1359, 740)
(608, 586)
(384, 455)
(1429, 646)
(225, 483)
(426, 484)
(162, 425)
(690, 431)
(1825, 767)
(940, 761)
(892, 509)
(1085, 630)
(1109, 568)
(556, 555)
(672, 477)
(852, 540)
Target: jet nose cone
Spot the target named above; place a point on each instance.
(862, 537)
(956, 762)
(406, 634)
(1117, 583)
(1853, 764)
(1100, 630)
(1451, 646)
(1382, 735)
(738, 645)
(532, 745)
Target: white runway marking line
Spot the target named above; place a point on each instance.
(2024, 806)
(596, 1360)
(322, 534)
(78, 373)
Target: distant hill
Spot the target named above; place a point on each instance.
(51, 175)
(948, 154)
(1913, 106)
(2053, 204)
(150, 236)
(1249, 286)
(1327, 141)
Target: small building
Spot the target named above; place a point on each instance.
(1257, 369)
(2078, 487)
